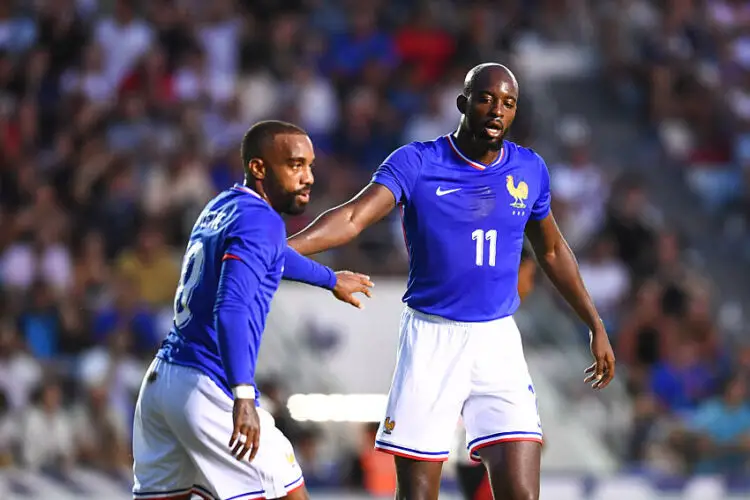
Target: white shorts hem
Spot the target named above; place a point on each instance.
(501, 437)
(403, 451)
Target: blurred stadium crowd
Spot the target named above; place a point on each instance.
(119, 120)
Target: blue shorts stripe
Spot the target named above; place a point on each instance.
(249, 493)
(386, 444)
(294, 482)
(502, 434)
(161, 493)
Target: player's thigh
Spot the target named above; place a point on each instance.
(204, 425)
(161, 466)
(514, 469)
(502, 406)
(417, 479)
(430, 384)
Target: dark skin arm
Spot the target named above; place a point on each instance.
(559, 264)
(340, 225)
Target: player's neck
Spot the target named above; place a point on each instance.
(257, 186)
(473, 149)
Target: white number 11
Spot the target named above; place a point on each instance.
(479, 236)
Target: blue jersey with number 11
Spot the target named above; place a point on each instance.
(235, 226)
(464, 224)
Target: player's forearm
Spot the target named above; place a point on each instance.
(304, 270)
(234, 337)
(331, 229)
(237, 338)
(561, 266)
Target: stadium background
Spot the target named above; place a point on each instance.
(119, 119)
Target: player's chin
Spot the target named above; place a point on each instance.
(492, 143)
(297, 207)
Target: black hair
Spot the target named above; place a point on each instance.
(259, 135)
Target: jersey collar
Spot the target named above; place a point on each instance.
(245, 189)
(475, 164)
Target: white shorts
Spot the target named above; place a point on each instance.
(446, 370)
(183, 423)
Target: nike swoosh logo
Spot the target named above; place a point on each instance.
(441, 192)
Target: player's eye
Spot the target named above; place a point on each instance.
(510, 104)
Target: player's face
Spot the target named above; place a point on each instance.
(491, 108)
(289, 176)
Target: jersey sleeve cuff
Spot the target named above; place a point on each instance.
(540, 215)
(332, 278)
(243, 392)
(392, 186)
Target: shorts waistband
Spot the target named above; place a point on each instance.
(445, 321)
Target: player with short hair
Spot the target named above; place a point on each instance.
(467, 199)
(199, 393)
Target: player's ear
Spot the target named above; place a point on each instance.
(461, 102)
(257, 169)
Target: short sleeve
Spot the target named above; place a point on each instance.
(399, 172)
(255, 236)
(541, 207)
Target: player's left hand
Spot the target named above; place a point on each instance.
(349, 283)
(602, 371)
(246, 434)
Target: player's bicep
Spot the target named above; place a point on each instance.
(399, 172)
(371, 204)
(238, 283)
(543, 202)
(544, 235)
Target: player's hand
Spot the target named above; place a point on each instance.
(349, 283)
(247, 425)
(601, 373)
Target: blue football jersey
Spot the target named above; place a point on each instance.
(464, 224)
(237, 225)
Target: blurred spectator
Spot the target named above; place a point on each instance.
(606, 278)
(721, 429)
(274, 401)
(319, 472)
(580, 188)
(8, 433)
(113, 367)
(370, 470)
(124, 38)
(47, 439)
(683, 379)
(152, 267)
(101, 434)
(20, 372)
(126, 313)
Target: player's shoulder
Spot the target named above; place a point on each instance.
(241, 209)
(523, 153)
(414, 153)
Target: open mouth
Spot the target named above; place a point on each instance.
(305, 196)
(493, 129)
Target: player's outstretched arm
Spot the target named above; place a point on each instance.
(558, 262)
(343, 284)
(340, 225)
